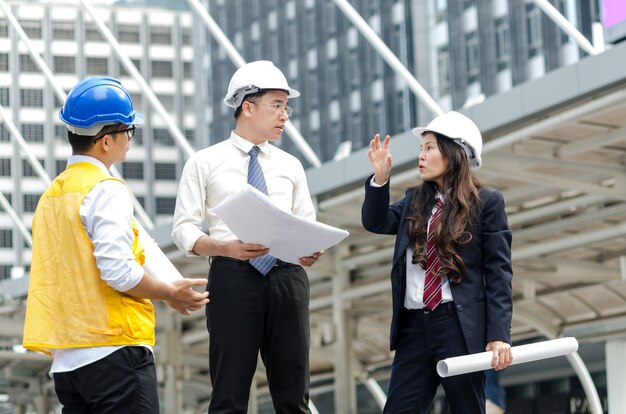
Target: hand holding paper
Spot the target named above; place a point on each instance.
(252, 217)
(521, 354)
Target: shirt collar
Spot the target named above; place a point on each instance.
(245, 145)
(73, 159)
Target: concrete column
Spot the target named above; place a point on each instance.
(616, 374)
(41, 404)
(172, 362)
(345, 387)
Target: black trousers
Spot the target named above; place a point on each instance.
(426, 337)
(251, 313)
(123, 382)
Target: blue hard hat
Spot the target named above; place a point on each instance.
(95, 103)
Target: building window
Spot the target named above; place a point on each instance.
(127, 34)
(503, 43)
(165, 171)
(132, 170)
(64, 64)
(354, 69)
(333, 78)
(94, 35)
(32, 132)
(533, 29)
(443, 69)
(27, 64)
(187, 70)
(160, 36)
(441, 10)
(162, 69)
(6, 238)
(5, 167)
(60, 166)
(310, 26)
(63, 31)
(31, 98)
(292, 39)
(4, 29)
(5, 97)
(97, 66)
(5, 272)
(186, 35)
(60, 132)
(562, 6)
(163, 137)
(138, 138)
(165, 205)
(473, 56)
(190, 134)
(356, 125)
(30, 202)
(331, 17)
(32, 28)
(136, 63)
(4, 62)
(167, 101)
(5, 136)
(28, 170)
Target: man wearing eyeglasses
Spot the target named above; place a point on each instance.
(258, 303)
(88, 300)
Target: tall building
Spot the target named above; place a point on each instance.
(457, 50)
(161, 44)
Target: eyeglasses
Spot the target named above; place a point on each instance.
(130, 133)
(278, 107)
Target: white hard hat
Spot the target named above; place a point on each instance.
(254, 77)
(461, 130)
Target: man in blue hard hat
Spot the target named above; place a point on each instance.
(89, 297)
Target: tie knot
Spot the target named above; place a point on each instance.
(439, 202)
(254, 151)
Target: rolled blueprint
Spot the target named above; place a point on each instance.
(157, 264)
(521, 354)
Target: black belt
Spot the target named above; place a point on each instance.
(443, 307)
(279, 263)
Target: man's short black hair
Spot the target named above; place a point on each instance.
(251, 98)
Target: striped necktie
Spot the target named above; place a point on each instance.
(256, 179)
(432, 283)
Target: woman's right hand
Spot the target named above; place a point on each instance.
(380, 158)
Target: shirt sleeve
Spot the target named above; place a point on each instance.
(107, 213)
(302, 203)
(190, 211)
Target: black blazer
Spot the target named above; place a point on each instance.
(484, 298)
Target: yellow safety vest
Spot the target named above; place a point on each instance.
(69, 305)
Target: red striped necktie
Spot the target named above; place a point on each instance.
(432, 283)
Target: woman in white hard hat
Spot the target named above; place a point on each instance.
(451, 272)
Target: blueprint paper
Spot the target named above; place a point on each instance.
(253, 218)
(157, 264)
(521, 354)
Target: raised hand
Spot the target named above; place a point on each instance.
(380, 158)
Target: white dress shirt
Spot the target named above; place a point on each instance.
(106, 213)
(213, 174)
(416, 275)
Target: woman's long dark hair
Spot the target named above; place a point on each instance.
(461, 209)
